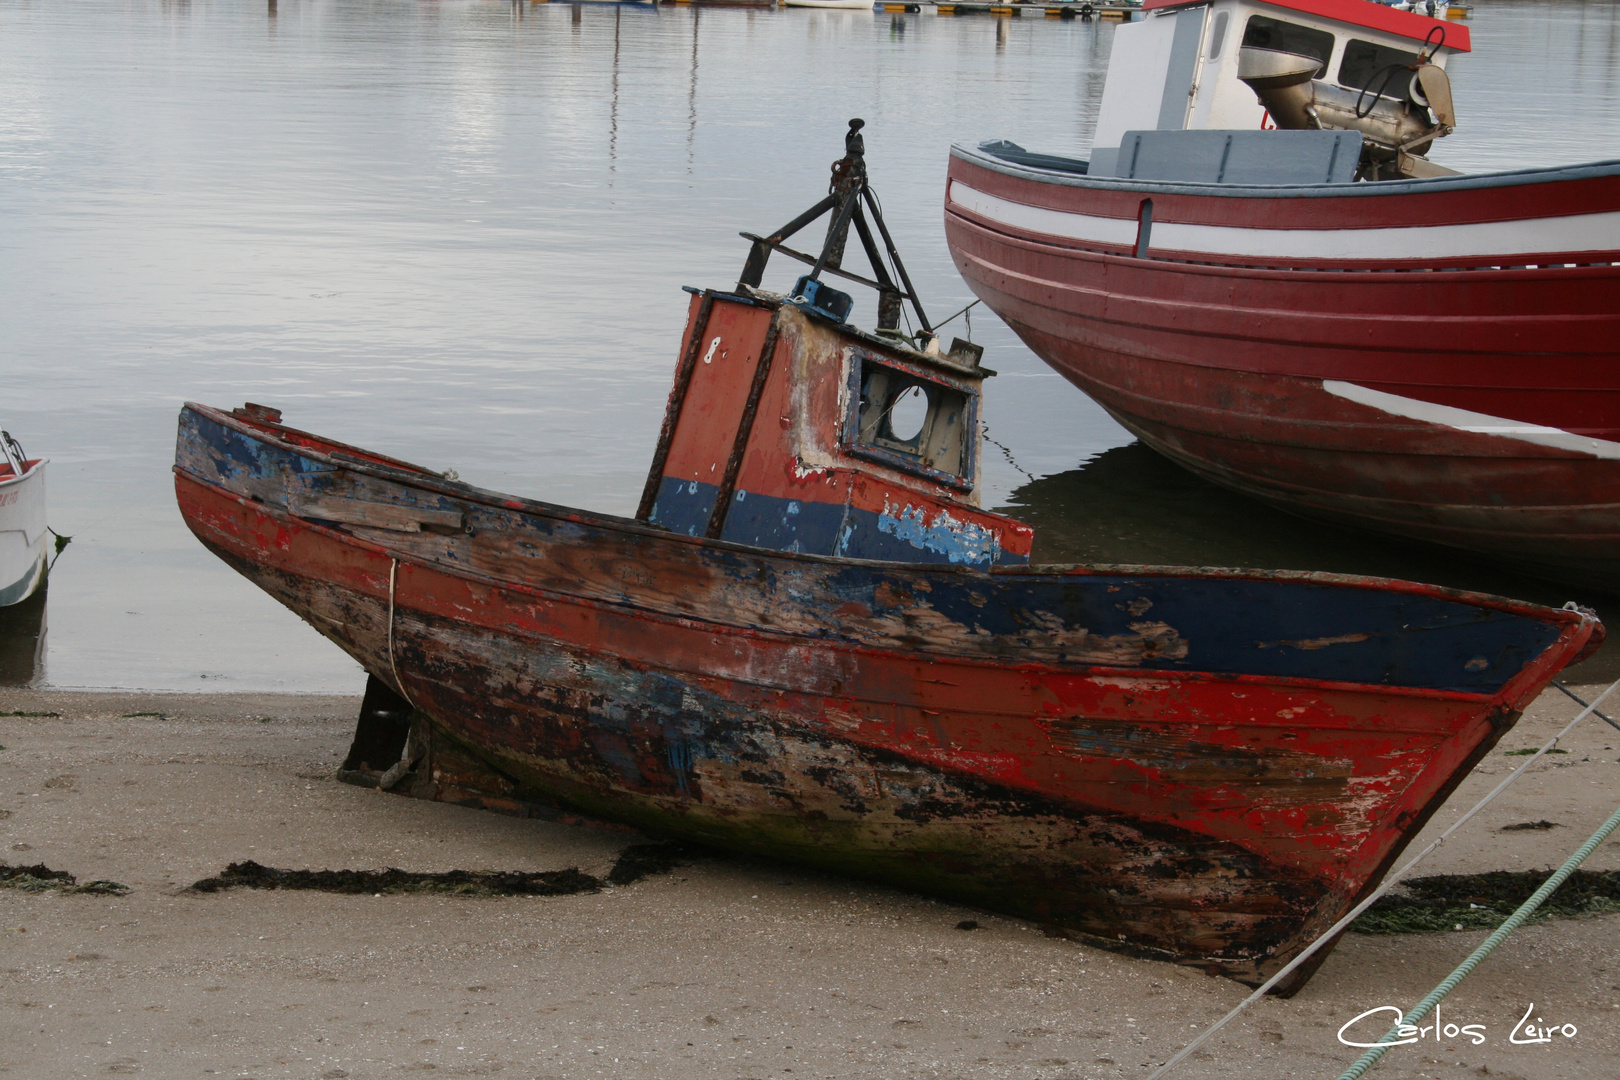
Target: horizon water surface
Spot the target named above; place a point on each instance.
(456, 232)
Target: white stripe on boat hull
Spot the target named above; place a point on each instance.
(1492, 241)
(1476, 423)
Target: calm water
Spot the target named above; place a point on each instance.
(456, 232)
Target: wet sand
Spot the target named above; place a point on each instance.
(724, 968)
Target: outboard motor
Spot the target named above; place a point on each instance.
(1400, 112)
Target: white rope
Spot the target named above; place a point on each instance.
(393, 573)
(1388, 883)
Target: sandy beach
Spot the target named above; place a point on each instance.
(723, 968)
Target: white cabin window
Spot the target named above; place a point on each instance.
(1217, 36)
(1265, 33)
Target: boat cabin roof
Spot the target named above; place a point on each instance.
(1177, 69)
(1363, 13)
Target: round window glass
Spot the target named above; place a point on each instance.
(907, 414)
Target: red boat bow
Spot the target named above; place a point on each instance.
(1429, 357)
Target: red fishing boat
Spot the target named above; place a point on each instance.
(1320, 315)
(812, 644)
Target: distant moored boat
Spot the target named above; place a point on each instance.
(22, 522)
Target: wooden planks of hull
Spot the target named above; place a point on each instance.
(1466, 397)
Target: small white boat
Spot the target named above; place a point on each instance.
(862, 5)
(22, 522)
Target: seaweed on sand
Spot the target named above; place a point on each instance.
(41, 878)
(1482, 901)
(634, 863)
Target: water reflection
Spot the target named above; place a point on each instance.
(691, 95)
(22, 641)
(1129, 505)
(613, 109)
(456, 231)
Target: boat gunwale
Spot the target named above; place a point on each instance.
(1074, 670)
(1546, 174)
(1575, 623)
(456, 489)
(34, 465)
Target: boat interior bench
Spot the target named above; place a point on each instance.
(1211, 157)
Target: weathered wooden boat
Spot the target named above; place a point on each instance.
(23, 549)
(1204, 765)
(1321, 316)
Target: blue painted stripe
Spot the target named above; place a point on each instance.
(816, 528)
(684, 506)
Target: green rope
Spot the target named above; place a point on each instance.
(1526, 909)
(1388, 883)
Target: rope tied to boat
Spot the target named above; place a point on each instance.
(399, 684)
(1512, 923)
(1387, 884)
(1577, 699)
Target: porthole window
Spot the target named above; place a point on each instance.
(905, 416)
(912, 419)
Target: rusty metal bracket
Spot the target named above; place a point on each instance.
(851, 201)
(771, 244)
(745, 428)
(894, 257)
(672, 412)
(754, 269)
(832, 252)
(890, 298)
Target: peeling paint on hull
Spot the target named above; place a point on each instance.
(1089, 748)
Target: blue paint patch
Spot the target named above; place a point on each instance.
(962, 542)
(235, 458)
(684, 506)
(679, 752)
(765, 521)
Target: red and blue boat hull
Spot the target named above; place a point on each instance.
(1207, 766)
